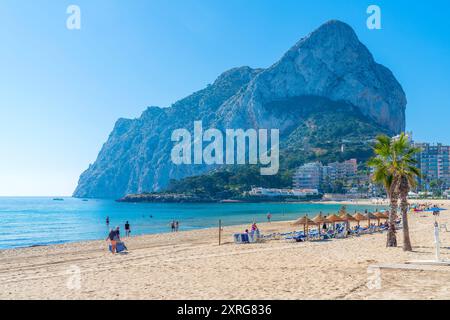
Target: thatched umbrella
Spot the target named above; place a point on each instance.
(347, 218)
(305, 222)
(320, 220)
(381, 215)
(333, 219)
(371, 216)
(360, 217)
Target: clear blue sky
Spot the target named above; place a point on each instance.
(61, 91)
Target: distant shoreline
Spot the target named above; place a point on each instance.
(188, 198)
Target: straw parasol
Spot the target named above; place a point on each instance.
(347, 218)
(305, 222)
(360, 217)
(333, 219)
(381, 215)
(320, 219)
(371, 216)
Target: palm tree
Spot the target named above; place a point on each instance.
(394, 168)
(407, 173)
(382, 165)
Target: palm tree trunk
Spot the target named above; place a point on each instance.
(391, 235)
(404, 189)
(406, 239)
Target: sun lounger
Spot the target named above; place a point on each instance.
(300, 238)
(241, 238)
(342, 235)
(120, 247)
(253, 237)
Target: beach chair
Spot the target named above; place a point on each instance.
(342, 234)
(293, 236)
(326, 236)
(314, 236)
(299, 237)
(357, 232)
(237, 238)
(254, 237)
(289, 236)
(241, 238)
(330, 234)
(268, 236)
(120, 247)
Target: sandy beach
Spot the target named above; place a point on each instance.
(191, 265)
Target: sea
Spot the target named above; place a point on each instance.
(39, 221)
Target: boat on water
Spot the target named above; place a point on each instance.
(58, 199)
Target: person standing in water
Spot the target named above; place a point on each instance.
(177, 225)
(269, 217)
(127, 229)
(107, 221)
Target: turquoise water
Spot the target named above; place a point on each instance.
(28, 222)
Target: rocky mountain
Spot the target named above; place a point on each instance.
(325, 90)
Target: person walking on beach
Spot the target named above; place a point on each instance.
(172, 225)
(127, 229)
(113, 237)
(269, 217)
(177, 225)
